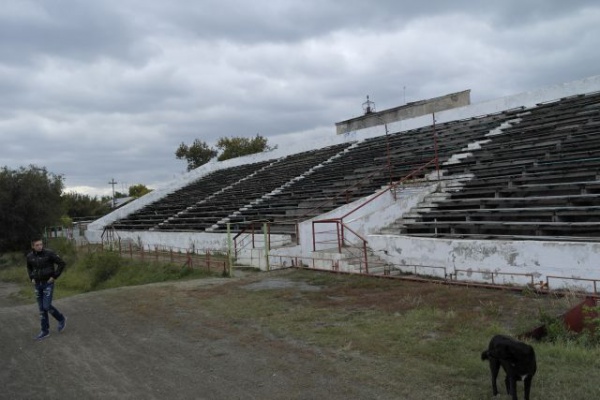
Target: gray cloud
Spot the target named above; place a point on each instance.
(33, 30)
(110, 88)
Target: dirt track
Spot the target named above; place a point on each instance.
(150, 342)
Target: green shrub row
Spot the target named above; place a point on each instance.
(91, 271)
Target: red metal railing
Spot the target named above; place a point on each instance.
(346, 192)
(190, 258)
(247, 236)
(391, 188)
(562, 278)
(491, 274)
(341, 227)
(342, 242)
(281, 261)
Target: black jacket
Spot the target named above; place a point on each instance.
(40, 265)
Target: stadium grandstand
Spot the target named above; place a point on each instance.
(504, 192)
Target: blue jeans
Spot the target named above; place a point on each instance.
(43, 295)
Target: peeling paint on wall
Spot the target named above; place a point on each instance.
(535, 258)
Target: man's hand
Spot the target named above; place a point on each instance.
(51, 280)
(33, 281)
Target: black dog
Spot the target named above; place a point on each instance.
(516, 358)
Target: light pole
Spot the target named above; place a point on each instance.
(435, 148)
(113, 183)
(369, 109)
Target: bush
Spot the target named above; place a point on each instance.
(558, 332)
(13, 268)
(64, 247)
(88, 271)
(102, 266)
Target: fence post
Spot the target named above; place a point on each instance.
(340, 238)
(267, 246)
(366, 256)
(190, 261)
(227, 271)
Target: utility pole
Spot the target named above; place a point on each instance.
(113, 183)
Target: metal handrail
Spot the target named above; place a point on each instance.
(595, 281)
(251, 226)
(390, 187)
(492, 273)
(341, 239)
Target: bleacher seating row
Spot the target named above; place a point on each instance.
(363, 169)
(536, 178)
(539, 179)
(300, 186)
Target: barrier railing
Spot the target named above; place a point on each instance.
(415, 268)
(190, 258)
(491, 274)
(342, 228)
(563, 278)
(247, 237)
(357, 251)
(391, 188)
(448, 277)
(282, 261)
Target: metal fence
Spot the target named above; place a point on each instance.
(190, 258)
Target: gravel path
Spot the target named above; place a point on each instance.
(120, 344)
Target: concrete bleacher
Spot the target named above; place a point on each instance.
(362, 170)
(178, 201)
(537, 176)
(213, 198)
(520, 187)
(221, 207)
(538, 179)
(300, 186)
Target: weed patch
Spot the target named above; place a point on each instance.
(89, 271)
(429, 337)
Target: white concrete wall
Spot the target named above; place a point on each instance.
(175, 240)
(542, 259)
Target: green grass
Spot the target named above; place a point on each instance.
(91, 271)
(419, 341)
(428, 337)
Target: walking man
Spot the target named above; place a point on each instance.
(43, 273)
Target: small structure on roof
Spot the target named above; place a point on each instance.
(414, 109)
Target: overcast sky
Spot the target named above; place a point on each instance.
(95, 90)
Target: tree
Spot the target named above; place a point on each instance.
(138, 190)
(240, 146)
(78, 206)
(30, 201)
(197, 154)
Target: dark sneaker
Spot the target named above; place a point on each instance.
(62, 324)
(42, 335)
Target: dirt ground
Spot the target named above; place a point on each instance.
(155, 342)
(118, 345)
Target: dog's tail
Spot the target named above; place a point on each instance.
(484, 355)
